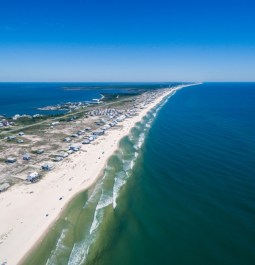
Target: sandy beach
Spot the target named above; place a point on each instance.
(28, 211)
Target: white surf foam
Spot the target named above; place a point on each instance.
(95, 222)
(128, 165)
(60, 247)
(141, 140)
(104, 201)
(119, 181)
(78, 254)
(95, 194)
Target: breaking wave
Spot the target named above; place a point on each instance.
(104, 201)
(60, 247)
(119, 181)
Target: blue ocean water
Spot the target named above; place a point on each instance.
(180, 190)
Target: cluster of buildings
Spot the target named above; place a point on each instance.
(14, 138)
(25, 157)
(109, 117)
(18, 116)
(5, 123)
(69, 106)
(10, 122)
(104, 112)
(112, 113)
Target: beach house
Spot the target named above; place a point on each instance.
(40, 151)
(11, 160)
(75, 147)
(26, 157)
(33, 177)
(47, 167)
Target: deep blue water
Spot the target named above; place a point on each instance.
(197, 179)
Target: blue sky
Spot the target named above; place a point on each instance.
(152, 40)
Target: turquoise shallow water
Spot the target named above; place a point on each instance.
(180, 190)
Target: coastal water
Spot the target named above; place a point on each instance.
(26, 98)
(180, 189)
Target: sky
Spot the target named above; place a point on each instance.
(108, 40)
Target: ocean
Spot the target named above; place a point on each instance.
(180, 189)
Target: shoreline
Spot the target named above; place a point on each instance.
(51, 225)
(38, 217)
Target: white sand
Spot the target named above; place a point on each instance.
(24, 207)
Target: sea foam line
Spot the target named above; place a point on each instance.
(119, 181)
(59, 247)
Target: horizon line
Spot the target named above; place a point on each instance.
(149, 82)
